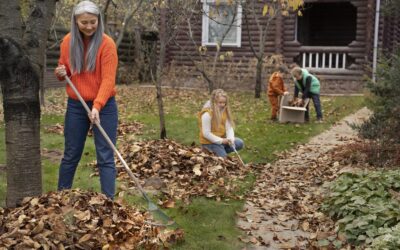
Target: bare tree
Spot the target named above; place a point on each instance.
(206, 62)
(263, 13)
(168, 14)
(160, 67)
(22, 50)
(128, 9)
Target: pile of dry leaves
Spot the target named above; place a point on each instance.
(182, 171)
(79, 220)
(296, 102)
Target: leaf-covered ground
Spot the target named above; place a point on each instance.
(283, 210)
(208, 223)
(75, 219)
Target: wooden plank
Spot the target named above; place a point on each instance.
(294, 108)
(291, 54)
(50, 80)
(331, 71)
(341, 77)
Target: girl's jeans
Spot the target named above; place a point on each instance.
(76, 128)
(223, 149)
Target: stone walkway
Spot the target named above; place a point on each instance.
(267, 224)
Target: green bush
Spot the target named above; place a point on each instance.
(383, 126)
(389, 240)
(363, 204)
(385, 102)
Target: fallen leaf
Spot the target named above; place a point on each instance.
(196, 169)
(168, 204)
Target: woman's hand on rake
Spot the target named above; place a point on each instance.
(94, 116)
(61, 71)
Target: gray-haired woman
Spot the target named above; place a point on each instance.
(89, 58)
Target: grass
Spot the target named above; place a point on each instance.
(208, 224)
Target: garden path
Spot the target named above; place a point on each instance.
(282, 210)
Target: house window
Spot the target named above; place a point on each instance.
(217, 20)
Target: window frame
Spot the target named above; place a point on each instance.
(205, 26)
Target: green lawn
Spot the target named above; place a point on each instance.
(208, 224)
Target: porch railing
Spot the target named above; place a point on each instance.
(318, 57)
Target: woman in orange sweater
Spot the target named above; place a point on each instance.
(89, 58)
(276, 88)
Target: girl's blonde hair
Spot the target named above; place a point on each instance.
(216, 112)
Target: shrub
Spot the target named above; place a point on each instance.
(383, 125)
(385, 102)
(365, 204)
(389, 240)
(369, 153)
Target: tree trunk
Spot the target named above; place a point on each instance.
(160, 69)
(20, 75)
(105, 16)
(20, 89)
(259, 69)
(209, 82)
(138, 54)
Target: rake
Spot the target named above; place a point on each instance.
(234, 149)
(152, 207)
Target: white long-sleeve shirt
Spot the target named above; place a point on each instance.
(206, 128)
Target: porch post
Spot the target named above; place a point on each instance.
(376, 34)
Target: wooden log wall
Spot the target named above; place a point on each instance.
(391, 33)
(242, 54)
(281, 39)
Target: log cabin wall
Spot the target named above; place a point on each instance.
(283, 39)
(391, 32)
(186, 51)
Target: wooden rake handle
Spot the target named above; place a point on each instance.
(110, 143)
(234, 149)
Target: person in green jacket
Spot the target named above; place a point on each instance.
(309, 86)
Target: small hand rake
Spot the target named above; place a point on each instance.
(240, 158)
(152, 208)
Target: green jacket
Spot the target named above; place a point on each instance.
(315, 85)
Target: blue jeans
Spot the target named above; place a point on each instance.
(222, 149)
(76, 127)
(317, 106)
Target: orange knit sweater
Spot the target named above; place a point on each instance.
(97, 86)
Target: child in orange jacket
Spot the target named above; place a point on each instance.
(276, 88)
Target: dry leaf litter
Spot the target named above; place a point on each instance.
(73, 219)
(282, 211)
(180, 171)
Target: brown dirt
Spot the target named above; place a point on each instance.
(52, 155)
